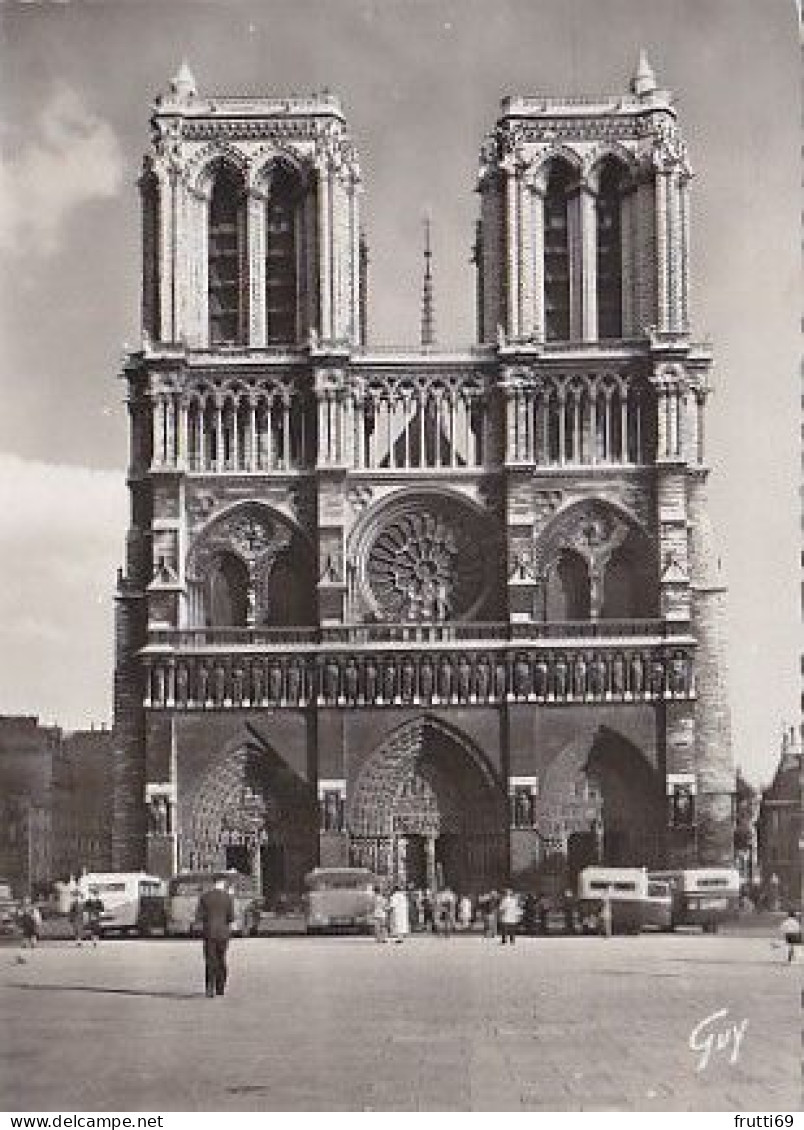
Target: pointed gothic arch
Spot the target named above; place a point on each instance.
(427, 798)
(620, 558)
(268, 557)
(227, 254)
(250, 810)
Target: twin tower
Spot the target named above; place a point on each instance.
(452, 616)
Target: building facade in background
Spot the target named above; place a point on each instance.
(454, 616)
(55, 803)
(780, 828)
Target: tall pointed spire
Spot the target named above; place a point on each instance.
(428, 321)
(644, 81)
(182, 85)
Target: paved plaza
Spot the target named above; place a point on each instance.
(346, 1024)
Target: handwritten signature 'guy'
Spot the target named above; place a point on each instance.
(712, 1035)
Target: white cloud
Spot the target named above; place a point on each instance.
(70, 157)
(61, 539)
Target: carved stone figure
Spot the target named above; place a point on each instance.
(540, 681)
(331, 811)
(219, 684)
(255, 681)
(522, 677)
(426, 681)
(464, 679)
(522, 816)
(203, 684)
(560, 677)
(445, 679)
(408, 680)
(294, 682)
(389, 680)
(370, 677)
(351, 680)
(482, 679)
(237, 685)
(678, 675)
(275, 682)
(579, 677)
(637, 675)
(332, 680)
(500, 680)
(597, 676)
(182, 682)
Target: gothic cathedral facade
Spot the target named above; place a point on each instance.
(452, 616)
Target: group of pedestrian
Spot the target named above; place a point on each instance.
(85, 917)
(391, 915)
(501, 915)
(443, 912)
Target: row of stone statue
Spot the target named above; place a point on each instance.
(405, 678)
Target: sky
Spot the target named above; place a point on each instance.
(420, 81)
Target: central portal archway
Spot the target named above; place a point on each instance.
(426, 810)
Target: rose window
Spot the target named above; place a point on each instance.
(426, 564)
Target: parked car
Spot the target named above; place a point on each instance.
(9, 915)
(56, 924)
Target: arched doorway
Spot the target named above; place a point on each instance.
(228, 588)
(251, 812)
(633, 802)
(427, 811)
(600, 802)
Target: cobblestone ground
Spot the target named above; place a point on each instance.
(345, 1024)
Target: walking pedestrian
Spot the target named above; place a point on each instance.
(30, 923)
(380, 916)
(489, 907)
(428, 911)
(216, 912)
(93, 909)
(465, 912)
(790, 930)
(77, 916)
(509, 914)
(399, 918)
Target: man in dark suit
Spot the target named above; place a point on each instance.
(216, 911)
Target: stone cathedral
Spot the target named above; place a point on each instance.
(455, 617)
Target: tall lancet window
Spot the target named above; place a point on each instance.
(281, 267)
(228, 271)
(556, 254)
(609, 253)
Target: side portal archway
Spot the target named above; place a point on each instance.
(251, 812)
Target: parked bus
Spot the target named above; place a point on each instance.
(636, 900)
(339, 897)
(185, 889)
(133, 901)
(702, 896)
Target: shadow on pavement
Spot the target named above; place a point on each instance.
(162, 995)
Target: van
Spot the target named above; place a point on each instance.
(636, 901)
(702, 896)
(338, 898)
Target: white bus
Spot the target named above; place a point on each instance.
(702, 896)
(635, 899)
(133, 901)
(339, 897)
